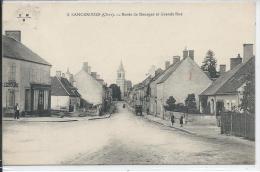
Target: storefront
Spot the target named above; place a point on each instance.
(37, 99)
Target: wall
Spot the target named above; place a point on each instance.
(26, 73)
(89, 89)
(59, 102)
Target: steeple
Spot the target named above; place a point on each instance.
(121, 67)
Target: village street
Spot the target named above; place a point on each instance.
(124, 138)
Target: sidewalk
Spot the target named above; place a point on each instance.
(55, 119)
(206, 131)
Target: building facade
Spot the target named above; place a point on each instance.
(120, 81)
(26, 77)
(226, 93)
(64, 96)
(90, 89)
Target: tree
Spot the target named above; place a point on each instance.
(116, 93)
(190, 103)
(209, 64)
(248, 100)
(170, 103)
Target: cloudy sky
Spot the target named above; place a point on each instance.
(139, 41)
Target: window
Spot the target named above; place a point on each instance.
(46, 98)
(10, 98)
(12, 72)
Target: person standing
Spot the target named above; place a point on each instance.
(172, 119)
(181, 121)
(17, 111)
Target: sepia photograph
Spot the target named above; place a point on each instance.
(88, 83)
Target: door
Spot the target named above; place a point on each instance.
(27, 100)
(41, 101)
(219, 107)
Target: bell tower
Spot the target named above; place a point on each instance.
(121, 79)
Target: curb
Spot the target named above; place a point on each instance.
(70, 120)
(100, 118)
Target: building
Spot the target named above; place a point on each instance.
(90, 89)
(26, 77)
(64, 96)
(226, 92)
(179, 79)
(120, 81)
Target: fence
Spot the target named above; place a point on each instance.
(238, 124)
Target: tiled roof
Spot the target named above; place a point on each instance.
(16, 50)
(167, 73)
(231, 80)
(62, 87)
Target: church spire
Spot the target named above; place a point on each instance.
(121, 67)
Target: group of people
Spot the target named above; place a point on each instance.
(181, 120)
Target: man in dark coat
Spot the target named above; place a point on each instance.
(181, 121)
(17, 111)
(172, 119)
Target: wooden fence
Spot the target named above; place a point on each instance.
(238, 124)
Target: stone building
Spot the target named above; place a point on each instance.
(90, 89)
(26, 77)
(226, 92)
(64, 96)
(181, 78)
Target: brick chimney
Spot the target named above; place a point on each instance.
(185, 53)
(175, 59)
(222, 69)
(85, 66)
(235, 61)
(167, 64)
(191, 54)
(58, 73)
(248, 51)
(15, 34)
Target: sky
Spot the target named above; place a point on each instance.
(66, 41)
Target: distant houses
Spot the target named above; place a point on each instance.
(64, 96)
(26, 77)
(183, 78)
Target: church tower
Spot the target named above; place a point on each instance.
(120, 81)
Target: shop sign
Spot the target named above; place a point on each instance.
(11, 84)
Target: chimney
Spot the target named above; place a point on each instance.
(235, 61)
(15, 34)
(167, 64)
(94, 75)
(85, 66)
(63, 75)
(248, 52)
(222, 69)
(68, 75)
(185, 53)
(175, 59)
(58, 74)
(191, 54)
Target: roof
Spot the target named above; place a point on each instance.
(62, 87)
(231, 80)
(167, 73)
(16, 50)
